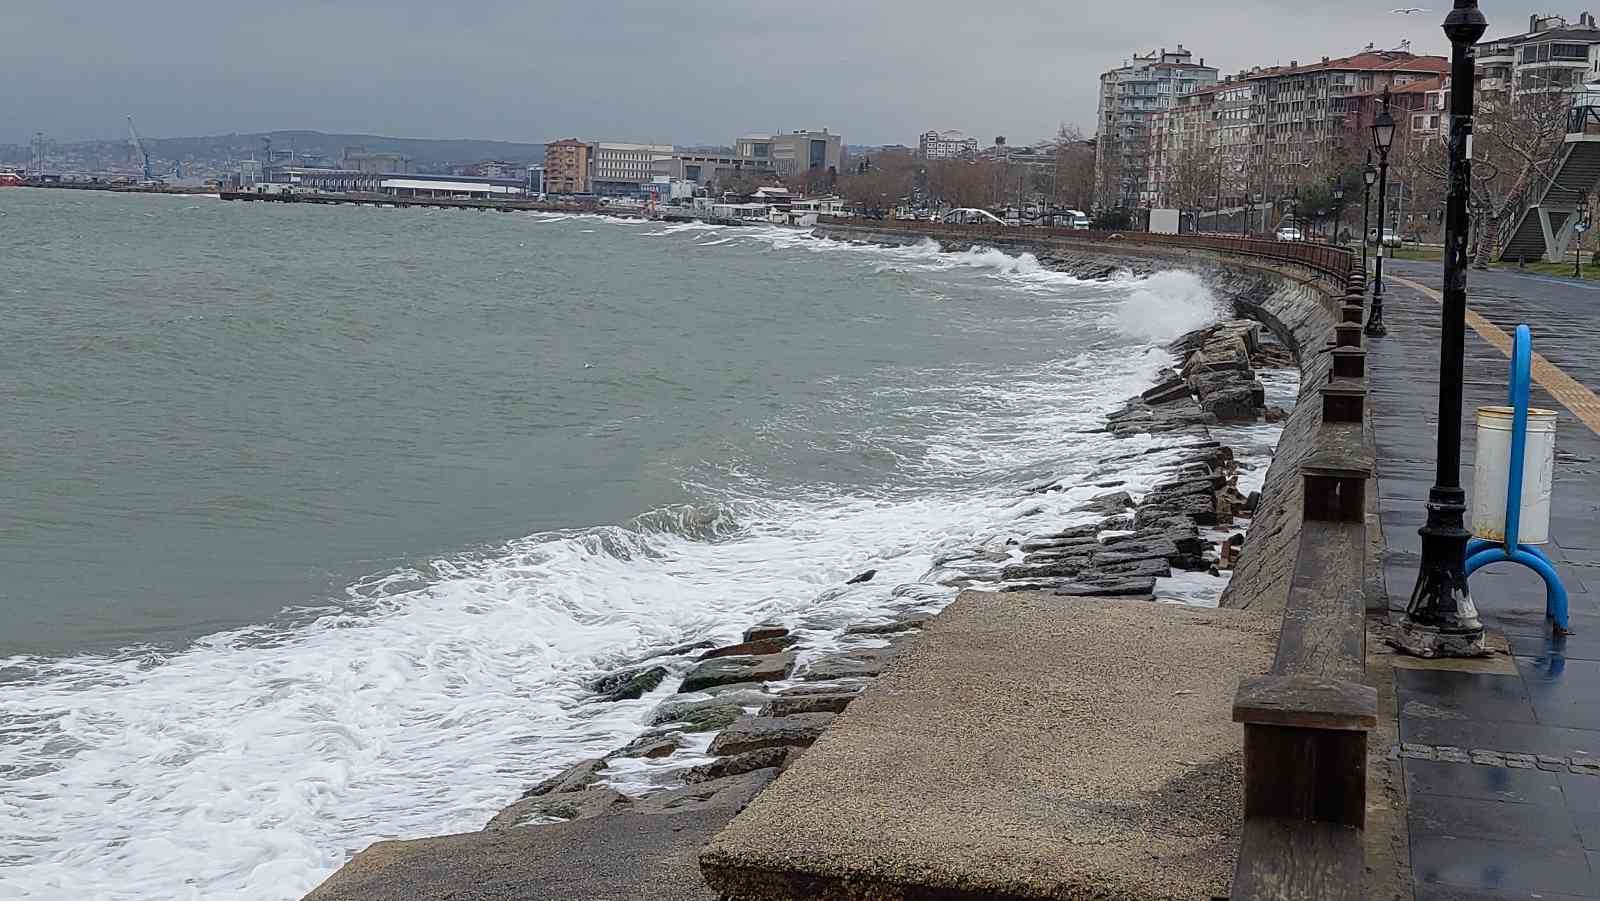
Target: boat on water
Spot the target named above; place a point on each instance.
(11, 178)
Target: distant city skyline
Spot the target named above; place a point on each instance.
(704, 72)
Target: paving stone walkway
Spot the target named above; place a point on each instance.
(1501, 758)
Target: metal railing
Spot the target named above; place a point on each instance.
(1332, 261)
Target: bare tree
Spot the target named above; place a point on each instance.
(1074, 175)
(882, 182)
(1191, 178)
(744, 182)
(1517, 143)
(966, 183)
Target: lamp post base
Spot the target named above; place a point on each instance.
(1441, 620)
(1375, 327)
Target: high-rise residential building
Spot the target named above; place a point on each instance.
(946, 145)
(624, 169)
(1180, 136)
(1130, 97)
(793, 152)
(1552, 55)
(566, 166)
(1262, 132)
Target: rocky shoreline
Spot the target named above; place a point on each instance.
(760, 712)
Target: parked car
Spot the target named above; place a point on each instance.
(1289, 233)
(1391, 238)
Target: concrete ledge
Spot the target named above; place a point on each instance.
(1025, 746)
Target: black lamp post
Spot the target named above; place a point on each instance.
(1382, 138)
(1369, 176)
(1338, 209)
(1441, 620)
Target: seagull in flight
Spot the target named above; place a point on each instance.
(1408, 10)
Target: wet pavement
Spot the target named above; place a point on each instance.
(1501, 757)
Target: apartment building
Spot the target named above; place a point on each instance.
(566, 166)
(1552, 55)
(1180, 135)
(946, 145)
(1264, 131)
(1130, 98)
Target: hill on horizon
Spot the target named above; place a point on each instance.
(428, 152)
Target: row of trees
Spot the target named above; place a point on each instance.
(896, 178)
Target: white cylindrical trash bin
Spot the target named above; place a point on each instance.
(1491, 474)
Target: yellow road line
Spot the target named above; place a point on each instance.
(1564, 388)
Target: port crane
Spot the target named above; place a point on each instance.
(139, 149)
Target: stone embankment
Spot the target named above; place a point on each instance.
(583, 833)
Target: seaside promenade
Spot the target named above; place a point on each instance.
(1501, 757)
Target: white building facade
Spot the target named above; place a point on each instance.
(624, 169)
(946, 145)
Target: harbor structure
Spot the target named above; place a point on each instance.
(307, 180)
(359, 159)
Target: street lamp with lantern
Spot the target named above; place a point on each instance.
(1338, 208)
(1441, 620)
(1369, 177)
(1382, 138)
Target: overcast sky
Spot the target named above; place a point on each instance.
(679, 71)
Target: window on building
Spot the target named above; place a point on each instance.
(1569, 51)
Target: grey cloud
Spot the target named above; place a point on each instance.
(684, 71)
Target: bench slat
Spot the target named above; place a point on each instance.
(1311, 702)
(1324, 622)
(1287, 860)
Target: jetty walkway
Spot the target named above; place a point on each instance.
(1501, 757)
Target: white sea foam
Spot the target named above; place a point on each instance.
(1164, 305)
(248, 765)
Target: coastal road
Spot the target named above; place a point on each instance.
(1502, 784)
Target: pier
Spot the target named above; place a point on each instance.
(506, 205)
